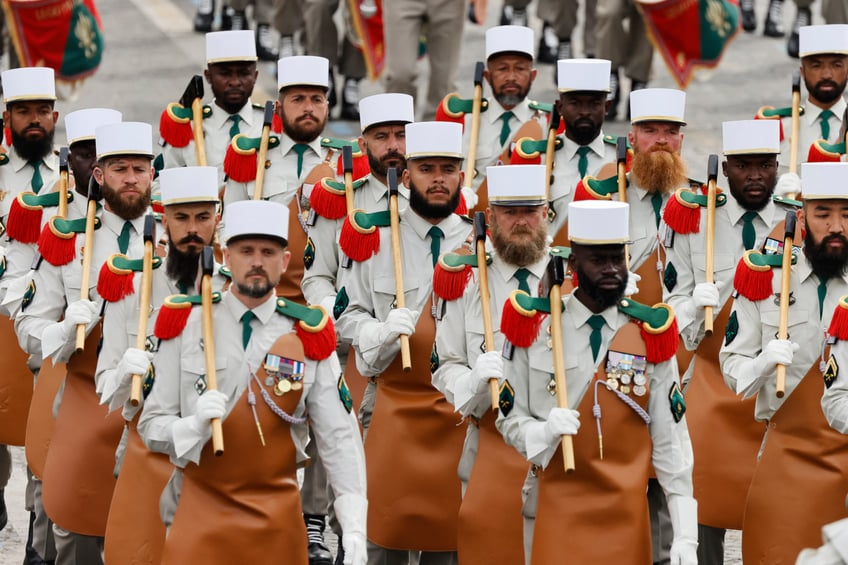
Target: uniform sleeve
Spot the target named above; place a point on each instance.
(513, 426)
(18, 257)
(319, 279)
(115, 343)
(671, 454)
(162, 406)
(834, 401)
(742, 341)
(679, 274)
(45, 309)
(174, 156)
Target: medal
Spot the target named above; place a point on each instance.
(297, 385)
(269, 381)
(639, 390)
(282, 387)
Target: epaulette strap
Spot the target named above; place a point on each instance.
(4, 159)
(522, 317)
(683, 211)
(613, 140)
(175, 311)
(839, 322)
(772, 113)
(777, 199)
(314, 328)
(529, 149)
(116, 276)
(558, 251)
(452, 108)
(57, 242)
(360, 238)
(240, 160)
(335, 143)
(452, 273)
(175, 125)
(541, 106)
(67, 227)
(590, 188)
(753, 277)
(823, 152)
(658, 328)
(328, 197)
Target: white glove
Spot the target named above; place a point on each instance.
(488, 366)
(777, 351)
(470, 197)
(79, 312)
(561, 421)
(352, 514)
(133, 362)
(788, 183)
(355, 548)
(632, 282)
(211, 404)
(684, 522)
(400, 321)
(705, 294)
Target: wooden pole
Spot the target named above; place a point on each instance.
(485, 303)
(709, 276)
(207, 262)
(144, 302)
(621, 170)
(88, 249)
(796, 124)
(347, 167)
(477, 104)
(556, 276)
(259, 184)
(785, 273)
(550, 150)
(400, 299)
(63, 182)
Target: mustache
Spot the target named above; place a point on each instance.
(192, 238)
(36, 127)
(307, 116)
(828, 82)
(257, 271)
(392, 155)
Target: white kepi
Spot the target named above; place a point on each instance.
(182, 185)
(657, 105)
(386, 109)
(81, 125)
(28, 83)
(433, 139)
(303, 70)
(824, 181)
(516, 185)
(226, 46)
(257, 218)
(598, 222)
(124, 138)
(750, 137)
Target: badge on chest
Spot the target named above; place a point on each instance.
(626, 372)
(283, 374)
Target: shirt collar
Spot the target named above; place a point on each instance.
(570, 147)
(51, 160)
(115, 223)
(287, 143)
(507, 270)
(581, 314)
(237, 308)
(521, 111)
(377, 190)
(813, 110)
(735, 211)
(421, 226)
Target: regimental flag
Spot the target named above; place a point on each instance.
(690, 33)
(62, 34)
(368, 32)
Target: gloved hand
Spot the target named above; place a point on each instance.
(560, 422)
(355, 548)
(400, 321)
(788, 183)
(488, 365)
(777, 351)
(470, 197)
(79, 312)
(683, 511)
(705, 294)
(211, 404)
(632, 282)
(133, 362)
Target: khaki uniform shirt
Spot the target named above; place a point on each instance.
(16, 177)
(643, 224)
(810, 131)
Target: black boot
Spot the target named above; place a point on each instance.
(774, 20)
(318, 552)
(749, 18)
(548, 43)
(803, 18)
(634, 86)
(238, 20)
(350, 100)
(340, 556)
(563, 52)
(265, 48)
(204, 16)
(614, 96)
(286, 48)
(512, 17)
(4, 515)
(32, 557)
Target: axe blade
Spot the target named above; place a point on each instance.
(392, 181)
(193, 91)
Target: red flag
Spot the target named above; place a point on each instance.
(62, 34)
(369, 33)
(690, 33)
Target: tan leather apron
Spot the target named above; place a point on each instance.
(356, 383)
(289, 286)
(40, 422)
(599, 513)
(491, 528)
(244, 506)
(800, 481)
(78, 473)
(16, 386)
(134, 531)
(412, 453)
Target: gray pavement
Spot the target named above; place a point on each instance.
(151, 52)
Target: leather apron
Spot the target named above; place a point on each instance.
(599, 513)
(412, 452)
(79, 471)
(40, 422)
(16, 386)
(800, 481)
(491, 528)
(134, 531)
(244, 506)
(289, 286)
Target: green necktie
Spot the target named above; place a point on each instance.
(749, 236)
(822, 289)
(246, 330)
(583, 162)
(825, 125)
(596, 322)
(657, 202)
(435, 233)
(183, 288)
(505, 127)
(300, 149)
(521, 275)
(124, 238)
(37, 182)
(234, 129)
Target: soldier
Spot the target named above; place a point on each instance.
(413, 509)
(721, 426)
(800, 479)
(492, 475)
(231, 74)
(639, 386)
(259, 357)
(833, 11)
(72, 483)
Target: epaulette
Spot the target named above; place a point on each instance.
(328, 197)
(242, 153)
(158, 165)
(116, 276)
(522, 317)
(57, 242)
(547, 109)
(360, 238)
(174, 313)
(658, 327)
(528, 151)
(839, 322)
(314, 328)
(452, 273)
(24, 223)
(4, 159)
(683, 211)
(590, 188)
(753, 278)
(361, 167)
(276, 122)
(339, 144)
(772, 113)
(175, 124)
(156, 202)
(823, 152)
(225, 272)
(786, 201)
(559, 251)
(452, 108)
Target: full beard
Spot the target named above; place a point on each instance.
(510, 100)
(182, 267)
(33, 149)
(824, 96)
(602, 297)
(128, 210)
(521, 253)
(418, 203)
(658, 170)
(258, 289)
(300, 133)
(583, 131)
(826, 264)
(381, 170)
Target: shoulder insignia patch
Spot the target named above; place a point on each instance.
(344, 395)
(676, 402)
(434, 359)
(309, 253)
(29, 294)
(2, 266)
(341, 303)
(506, 398)
(147, 382)
(732, 329)
(831, 371)
(670, 276)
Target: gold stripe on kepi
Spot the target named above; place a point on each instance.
(190, 199)
(425, 154)
(586, 241)
(525, 200)
(230, 59)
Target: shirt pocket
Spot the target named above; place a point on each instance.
(384, 294)
(193, 368)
